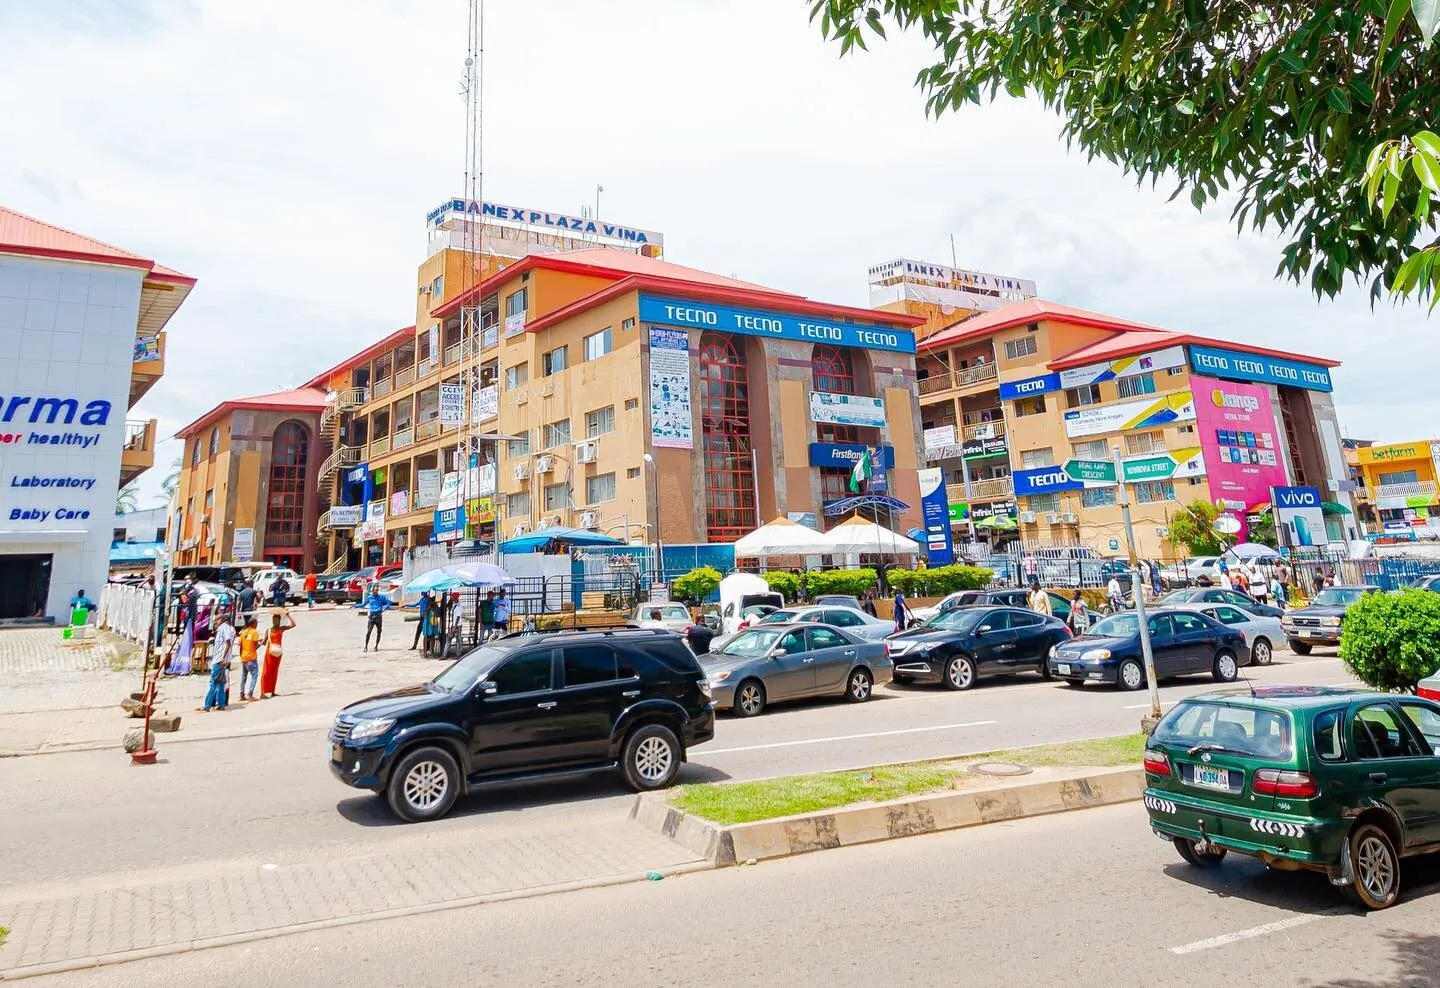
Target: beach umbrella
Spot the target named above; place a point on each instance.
(480, 574)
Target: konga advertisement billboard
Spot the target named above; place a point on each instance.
(1241, 440)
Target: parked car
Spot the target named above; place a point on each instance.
(739, 592)
(331, 588)
(635, 700)
(838, 600)
(1182, 642)
(1189, 571)
(675, 616)
(1301, 777)
(1019, 597)
(357, 582)
(1219, 595)
(1320, 623)
(1261, 633)
(770, 663)
(857, 623)
(1425, 583)
(959, 598)
(965, 643)
(267, 577)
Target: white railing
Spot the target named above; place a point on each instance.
(402, 438)
(127, 611)
(405, 377)
(382, 388)
(1424, 487)
(379, 447)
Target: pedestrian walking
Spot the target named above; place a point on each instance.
(501, 615)
(279, 592)
(1156, 580)
(1114, 596)
(218, 696)
(311, 582)
(868, 604)
(274, 652)
(902, 613)
(1280, 592)
(424, 605)
(374, 607)
(1079, 619)
(247, 600)
(430, 626)
(1039, 600)
(249, 659)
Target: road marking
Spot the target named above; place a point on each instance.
(1255, 931)
(845, 737)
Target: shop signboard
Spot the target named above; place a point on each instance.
(1241, 442)
(480, 510)
(358, 474)
(1146, 413)
(1239, 366)
(449, 524)
(775, 325)
(845, 455)
(1392, 453)
(1109, 370)
(449, 490)
(515, 324)
(486, 475)
(147, 348)
(1044, 480)
(486, 404)
(1029, 387)
(243, 547)
(979, 447)
(959, 513)
(399, 503)
(427, 488)
(372, 529)
(452, 404)
(1299, 516)
(671, 419)
(806, 518)
(939, 437)
(841, 409)
(341, 516)
(935, 509)
(540, 221)
(1003, 509)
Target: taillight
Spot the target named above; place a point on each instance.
(1428, 692)
(1277, 782)
(887, 649)
(1156, 763)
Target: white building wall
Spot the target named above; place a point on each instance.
(67, 331)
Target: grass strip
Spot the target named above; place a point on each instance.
(764, 799)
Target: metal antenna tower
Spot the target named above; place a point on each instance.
(471, 315)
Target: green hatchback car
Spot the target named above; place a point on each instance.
(1346, 782)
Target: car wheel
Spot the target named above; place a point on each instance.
(1044, 669)
(860, 686)
(1131, 675)
(1225, 669)
(749, 698)
(651, 758)
(424, 785)
(1261, 653)
(1299, 648)
(1376, 867)
(960, 673)
(1190, 851)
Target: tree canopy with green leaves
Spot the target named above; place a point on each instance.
(1276, 104)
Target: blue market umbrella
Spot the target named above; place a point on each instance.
(436, 579)
(479, 574)
(569, 536)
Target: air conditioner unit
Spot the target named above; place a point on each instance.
(1163, 532)
(545, 464)
(1028, 517)
(587, 452)
(519, 397)
(589, 519)
(522, 471)
(521, 528)
(1053, 518)
(1069, 518)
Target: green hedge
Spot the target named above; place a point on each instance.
(696, 586)
(939, 580)
(853, 582)
(785, 584)
(1391, 641)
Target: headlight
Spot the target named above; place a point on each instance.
(705, 690)
(1095, 655)
(926, 646)
(1330, 622)
(719, 677)
(366, 729)
(1052, 651)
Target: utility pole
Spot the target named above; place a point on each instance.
(1122, 497)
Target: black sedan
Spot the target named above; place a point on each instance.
(1183, 642)
(958, 647)
(333, 588)
(1219, 595)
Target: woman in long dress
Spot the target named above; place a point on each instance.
(180, 660)
(274, 651)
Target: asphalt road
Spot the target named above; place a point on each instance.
(1086, 898)
(272, 799)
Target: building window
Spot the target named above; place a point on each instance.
(628, 323)
(1148, 491)
(1094, 449)
(554, 361)
(1023, 347)
(195, 453)
(1030, 406)
(1086, 394)
(600, 422)
(1097, 497)
(631, 404)
(725, 439)
(557, 434)
(515, 304)
(598, 344)
(1145, 442)
(210, 500)
(1186, 430)
(437, 290)
(1032, 458)
(1400, 477)
(519, 446)
(601, 488)
(1043, 502)
(557, 496)
(285, 513)
(517, 505)
(632, 474)
(214, 442)
(1174, 371)
(516, 376)
(1134, 387)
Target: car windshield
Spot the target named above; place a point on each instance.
(957, 620)
(1178, 597)
(755, 609)
(1337, 597)
(466, 672)
(778, 617)
(751, 644)
(1209, 725)
(1116, 626)
(670, 612)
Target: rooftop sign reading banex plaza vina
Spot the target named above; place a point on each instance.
(780, 325)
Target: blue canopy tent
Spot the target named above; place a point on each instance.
(537, 540)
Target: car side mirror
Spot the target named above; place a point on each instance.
(487, 688)
(778, 652)
(983, 628)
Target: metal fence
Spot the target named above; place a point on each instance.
(127, 610)
(1387, 573)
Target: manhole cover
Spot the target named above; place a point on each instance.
(1000, 768)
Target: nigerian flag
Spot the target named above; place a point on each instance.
(864, 467)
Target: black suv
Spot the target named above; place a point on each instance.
(527, 707)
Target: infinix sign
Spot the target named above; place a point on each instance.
(50, 410)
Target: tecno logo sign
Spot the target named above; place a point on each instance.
(1223, 399)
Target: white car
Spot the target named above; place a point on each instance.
(959, 598)
(1188, 572)
(1261, 633)
(857, 623)
(266, 577)
(675, 617)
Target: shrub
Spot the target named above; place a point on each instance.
(1392, 641)
(853, 582)
(785, 584)
(697, 585)
(1194, 528)
(939, 581)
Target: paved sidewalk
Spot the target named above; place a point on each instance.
(65, 928)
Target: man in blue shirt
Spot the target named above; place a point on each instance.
(375, 606)
(424, 604)
(501, 615)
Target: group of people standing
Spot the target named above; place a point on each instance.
(442, 621)
(251, 642)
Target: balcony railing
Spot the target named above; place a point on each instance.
(989, 489)
(379, 447)
(427, 367)
(983, 430)
(345, 400)
(1424, 488)
(383, 387)
(427, 430)
(405, 377)
(976, 374)
(935, 383)
(452, 353)
(402, 438)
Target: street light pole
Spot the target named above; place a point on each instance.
(1122, 497)
(659, 544)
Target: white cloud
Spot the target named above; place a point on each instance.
(285, 154)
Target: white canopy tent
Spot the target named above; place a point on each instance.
(783, 537)
(860, 535)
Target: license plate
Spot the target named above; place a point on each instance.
(1211, 778)
(335, 753)
(1064, 668)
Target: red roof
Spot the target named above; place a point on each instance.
(298, 400)
(322, 380)
(25, 235)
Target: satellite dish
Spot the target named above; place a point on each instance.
(1227, 525)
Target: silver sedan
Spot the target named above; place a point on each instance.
(776, 662)
(1261, 633)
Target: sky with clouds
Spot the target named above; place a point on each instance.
(285, 153)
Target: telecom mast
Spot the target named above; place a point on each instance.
(468, 449)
